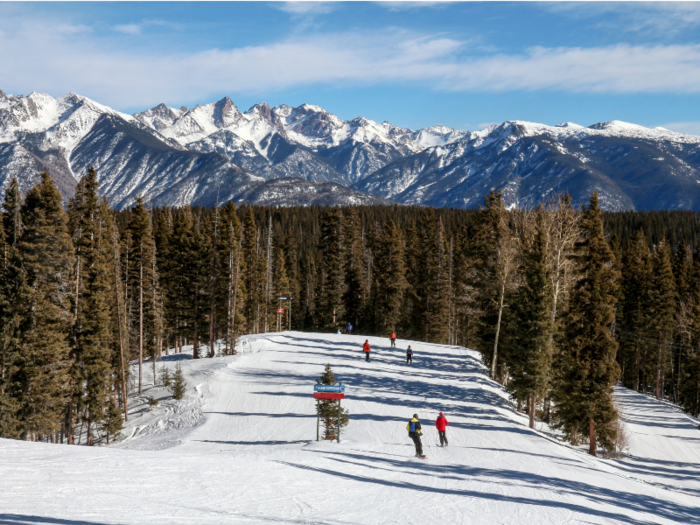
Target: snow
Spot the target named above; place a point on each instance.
(240, 448)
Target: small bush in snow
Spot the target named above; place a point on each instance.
(178, 386)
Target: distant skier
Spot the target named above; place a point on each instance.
(409, 355)
(441, 425)
(392, 338)
(366, 349)
(414, 432)
(348, 329)
(339, 333)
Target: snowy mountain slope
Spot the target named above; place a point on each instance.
(69, 134)
(293, 191)
(632, 167)
(240, 448)
(352, 148)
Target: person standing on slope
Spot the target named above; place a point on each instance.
(348, 329)
(409, 355)
(441, 425)
(366, 349)
(414, 432)
(392, 338)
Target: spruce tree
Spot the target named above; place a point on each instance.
(583, 395)
(178, 387)
(92, 332)
(333, 269)
(356, 281)
(531, 359)
(43, 360)
(390, 278)
(328, 408)
(663, 300)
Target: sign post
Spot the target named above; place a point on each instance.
(328, 392)
(281, 310)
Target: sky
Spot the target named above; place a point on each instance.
(415, 64)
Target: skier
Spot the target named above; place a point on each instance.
(392, 338)
(366, 348)
(441, 425)
(414, 431)
(348, 329)
(409, 355)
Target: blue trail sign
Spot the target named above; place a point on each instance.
(329, 388)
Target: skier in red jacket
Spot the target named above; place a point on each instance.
(441, 425)
(366, 349)
(392, 338)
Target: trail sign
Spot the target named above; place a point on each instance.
(328, 395)
(280, 310)
(329, 388)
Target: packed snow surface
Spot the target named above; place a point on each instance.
(240, 448)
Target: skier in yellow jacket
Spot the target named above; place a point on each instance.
(414, 432)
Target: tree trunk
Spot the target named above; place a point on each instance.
(657, 382)
(121, 342)
(533, 400)
(141, 326)
(195, 350)
(592, 449)
(494, 363)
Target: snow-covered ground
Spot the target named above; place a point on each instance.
(240, 448)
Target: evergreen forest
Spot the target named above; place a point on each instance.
(563, 303)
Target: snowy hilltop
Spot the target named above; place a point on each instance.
(216, 153)
(240, 448)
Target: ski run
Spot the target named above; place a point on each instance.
(241, 448)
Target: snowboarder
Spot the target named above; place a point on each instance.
(409, 355)
(392, 338)
(414, 431)
(441, 425)
(366, 349)
(348, 329)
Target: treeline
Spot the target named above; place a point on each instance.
(560, 308)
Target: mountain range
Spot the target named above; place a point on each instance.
(306, 155)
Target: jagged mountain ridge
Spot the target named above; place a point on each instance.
(632, 167)
(215, 152)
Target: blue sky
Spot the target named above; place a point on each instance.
(462, 64)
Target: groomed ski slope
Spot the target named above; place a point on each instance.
(240, 448)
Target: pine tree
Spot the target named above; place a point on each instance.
(231, 282)
(663, 299)
(390, 278)
(281, 285)
(333, 269)
(583, 395)
(111, 425)
(633, 330)
(494, 252)
(328, 408)
(255, 272)
(356, 282)
(92, 332)
(291, 250)
(47, 256)
(531, 359)
(178, 387)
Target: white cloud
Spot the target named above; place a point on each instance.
(128, 29)
(305, 8)
(645, 17)
(690, 128)
(54, 62)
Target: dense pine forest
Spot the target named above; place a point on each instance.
(563, 303)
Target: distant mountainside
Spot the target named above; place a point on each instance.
(632, 167)
(305, 155)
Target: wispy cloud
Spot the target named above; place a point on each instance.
(129, 29)
(122, 77)
(690, 128)
(306, 8)
(645, 17)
